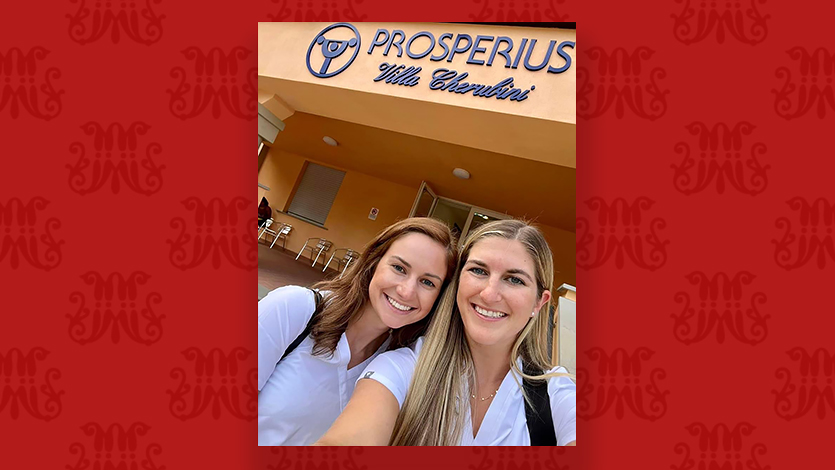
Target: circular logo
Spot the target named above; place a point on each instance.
(333, 48)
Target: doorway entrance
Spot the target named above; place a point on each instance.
(460, 216)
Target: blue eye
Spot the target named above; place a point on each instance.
(478, 271)
(399, 268)
(428, 283)
(517, 281)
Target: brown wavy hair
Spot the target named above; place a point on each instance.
(349, 293)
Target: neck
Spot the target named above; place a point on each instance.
(366, 334)
(491, 363)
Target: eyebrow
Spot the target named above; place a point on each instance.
(410, 267)
(509, 271)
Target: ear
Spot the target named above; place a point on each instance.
(546, 296)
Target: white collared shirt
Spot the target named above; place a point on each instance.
(301, 396)
(505, 423)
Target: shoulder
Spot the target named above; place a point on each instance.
(562, 392)
(394, 369)
(558, 383)
(405, 357)
(288, 297)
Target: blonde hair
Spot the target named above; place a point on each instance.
(433, 414)
(349, 293)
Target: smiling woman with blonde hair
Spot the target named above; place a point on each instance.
(482, 375)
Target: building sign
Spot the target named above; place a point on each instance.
(338, 45)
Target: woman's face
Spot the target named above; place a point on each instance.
(497, 292)
(407, 280)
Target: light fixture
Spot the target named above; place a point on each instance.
(330, 141)
(461, 173)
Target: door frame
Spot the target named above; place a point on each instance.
(432, 193)
(480, 210)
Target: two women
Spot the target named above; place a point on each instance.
(383, 301)
(463, 383)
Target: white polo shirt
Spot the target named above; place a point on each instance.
(504, 423)
(302, 396)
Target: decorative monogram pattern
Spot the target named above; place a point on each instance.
(220, 80)
(620, 80)
(25, 87)
(114, 159)
(659, 89)
(739, 18)
(283, 457)
(814, 391)
(218, 382)
(620, 232)
(24, 235)
(135, 19)
(720, 158)
(25, 388)
(116, 308)
(620, 381)
(115, 447)
(520, 458)
(720, 306)
(815, 240)
(300, 11)
(519, 11)
(216, 231)
(720, 447)
(814, 89)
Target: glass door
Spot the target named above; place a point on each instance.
(453, 213)
(424, 202)
(480, 216)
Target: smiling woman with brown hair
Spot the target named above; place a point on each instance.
(313, 344)
(482, 375)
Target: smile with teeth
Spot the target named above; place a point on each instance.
(399, 306)
(488, 313)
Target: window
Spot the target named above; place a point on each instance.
(316, 192)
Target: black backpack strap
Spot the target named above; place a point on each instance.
(538, 412)
(317, 301)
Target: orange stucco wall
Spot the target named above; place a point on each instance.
(348, 225)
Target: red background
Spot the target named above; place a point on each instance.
(705, 219)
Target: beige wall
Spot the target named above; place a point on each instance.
(282, 52)
(540, 128)
(563, 246)
(348, 225)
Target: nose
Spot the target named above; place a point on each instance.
(491, 292)
(406, 290)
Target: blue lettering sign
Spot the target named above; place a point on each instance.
(333, 48)
(444, 46)
(398, 74)
(411, 54)
(564, 55)
(458, 48)
(442, 79)
(477, 49)
(451, 81)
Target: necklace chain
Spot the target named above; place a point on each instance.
(487, 397)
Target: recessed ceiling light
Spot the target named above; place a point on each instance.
(330, 141)
(461, 173)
